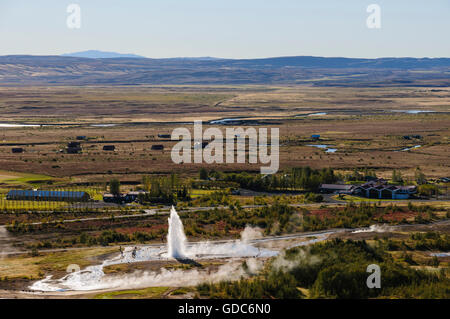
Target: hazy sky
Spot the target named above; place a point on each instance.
(228, 28)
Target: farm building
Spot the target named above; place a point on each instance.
(109, 148)
(408, 137)
(315, 137)
(73, 150)
(337, 188)
(17, 150)
(122, 198)
(110, 198)
(382, 190)
(157, 147)
(73, 147)
(74, 144)
(39, 195)
(374, 189)
(132, 196)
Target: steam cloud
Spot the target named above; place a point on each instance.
(373, 228)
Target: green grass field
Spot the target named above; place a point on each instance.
(152, 292)
(21, 205)
(23, 179)
(37, 266)
(200, 192)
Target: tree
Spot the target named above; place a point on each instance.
(114, 187)
(203, 174)
(146, 182)
(419, 176)
(397, 177)
(428, 190)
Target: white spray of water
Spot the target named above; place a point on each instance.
(373, 228)
(250, 233)
(176, 239)
(5, 242)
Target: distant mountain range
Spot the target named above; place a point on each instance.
(109, 68)
(95, 54)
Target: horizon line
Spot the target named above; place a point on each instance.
(138, 56)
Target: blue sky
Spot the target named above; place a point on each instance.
(228, 28)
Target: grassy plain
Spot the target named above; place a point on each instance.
(366, 125)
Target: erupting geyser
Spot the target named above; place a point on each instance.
(176, 239)
(94, 278)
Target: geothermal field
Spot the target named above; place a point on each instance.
(251, 247)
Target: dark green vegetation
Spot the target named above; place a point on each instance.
(422, 242)
(166, 190)
(274, 219)
(335, 269)
(114, 187)
(303, 178)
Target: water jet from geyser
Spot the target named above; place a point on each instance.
(176, 239)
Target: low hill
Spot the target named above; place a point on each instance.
(319, 71)
(95, 54)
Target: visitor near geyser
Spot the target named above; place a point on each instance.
(176, 239)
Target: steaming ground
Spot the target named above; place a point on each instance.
(5, 242)
(374, 228)
(252, 248)
(94, 278)
(226, 256)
